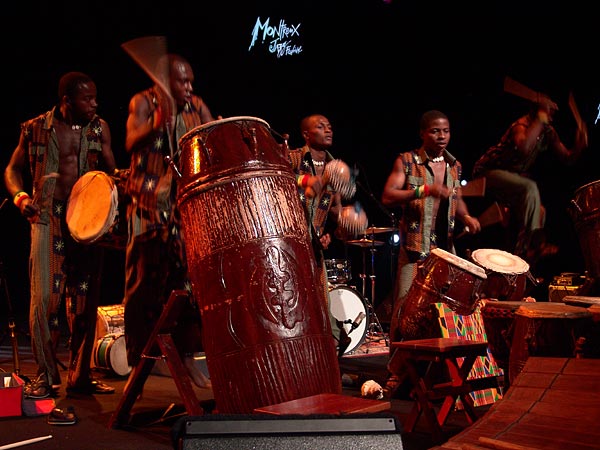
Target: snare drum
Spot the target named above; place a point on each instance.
(94, 212)
(546, 329)
(506, 274)
(347, 306)
(338, 271)
(111, 354)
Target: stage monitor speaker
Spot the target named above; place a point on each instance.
(288, 432)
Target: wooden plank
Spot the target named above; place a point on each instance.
(326, 404)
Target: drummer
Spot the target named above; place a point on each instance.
(155, 262)
(58, 147)
(507, 168)
(321, 203)
(425, 183)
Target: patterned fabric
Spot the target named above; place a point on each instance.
(317, 209)
(418, 214)
(471, 327)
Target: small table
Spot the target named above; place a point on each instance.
(444, 352)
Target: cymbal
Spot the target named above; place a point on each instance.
(366, 243)
(375, 230)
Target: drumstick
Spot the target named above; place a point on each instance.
(150, 53)
(514, 87)
(575, 111)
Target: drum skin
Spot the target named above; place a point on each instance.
(266, 330)
(506, 274)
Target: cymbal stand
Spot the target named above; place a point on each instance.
(11, 323)
(374, 323)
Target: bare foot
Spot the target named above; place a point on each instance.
(198, 377)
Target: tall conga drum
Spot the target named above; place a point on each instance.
(265, 326)
(584, 210)
(546, 329)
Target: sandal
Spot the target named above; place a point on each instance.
(60, 416)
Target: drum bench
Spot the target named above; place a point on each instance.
(437, 353)
(327, 403)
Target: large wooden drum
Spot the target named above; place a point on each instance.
(547, 329)
(266, 331)
(585, 213)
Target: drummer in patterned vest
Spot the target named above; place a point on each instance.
(59, 147)
(155, 260)
(320, 202)
(425, 182)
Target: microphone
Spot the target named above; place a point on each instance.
(358, 320)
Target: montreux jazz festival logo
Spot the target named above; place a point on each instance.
(280, 39)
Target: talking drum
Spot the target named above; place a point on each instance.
(338, 271)
(93, 214)
(111, 354)
(441, 277)
(546, 329)
(506, 274)
(347, 306)
(498, 321)
(585, 213)
(253, 271)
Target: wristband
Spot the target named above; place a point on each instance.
(418, 192)
(426, 190)
(19, 198)
(303, 181)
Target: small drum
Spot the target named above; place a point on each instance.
(506, 274)
(94, 212)
(348, 307)
(338, 271)
(498, 321)
(547, 329)
(442, 277)
(111, 320)
(111, 354)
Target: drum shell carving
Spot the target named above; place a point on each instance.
(252, 268)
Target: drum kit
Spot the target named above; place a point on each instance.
(356, 310)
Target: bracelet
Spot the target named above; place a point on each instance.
(303, 181)
(418, 192)
(19, 197)
(426, 190)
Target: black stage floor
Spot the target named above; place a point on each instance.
(155, 414)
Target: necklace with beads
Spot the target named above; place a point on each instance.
(318, 163)
(437, 159)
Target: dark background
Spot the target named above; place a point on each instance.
(371, 67)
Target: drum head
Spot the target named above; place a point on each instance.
(92, 207)
(214, 123)
(499, 261)
(549, 310)
(346, 306)
(459, 262)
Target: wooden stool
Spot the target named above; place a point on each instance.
(326, 404)
(443, 352)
